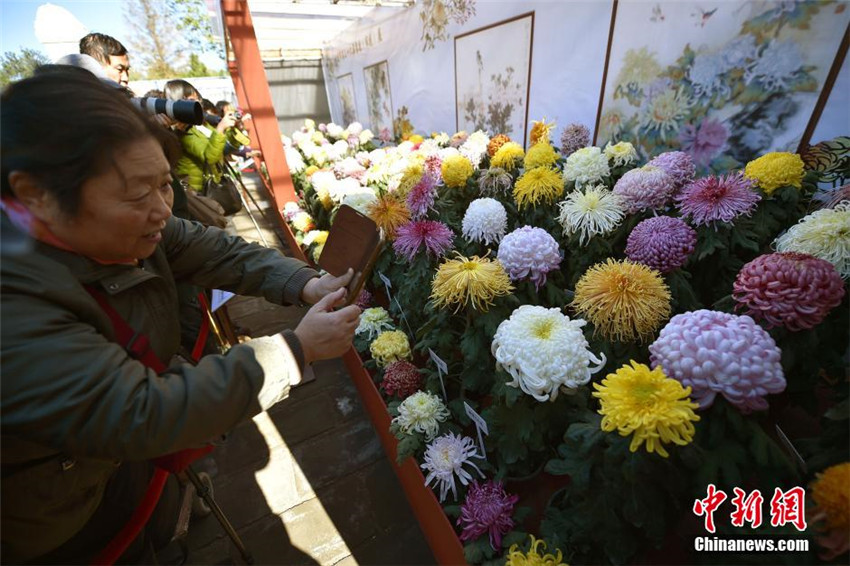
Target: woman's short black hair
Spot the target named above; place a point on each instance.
(65, 126)
(221, 105)
(178, 89)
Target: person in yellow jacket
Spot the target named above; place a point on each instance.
(203, 146)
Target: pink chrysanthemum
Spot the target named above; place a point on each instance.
(487, 509)
(678, 164)
(573, 138)
(364, 299)
(788, 289)
(645, 188)
(721, 198)
(401, 379)
(529, 252)
(663, 243)
(433, 166)
(715, 352)
(435, 236)
(421, 197)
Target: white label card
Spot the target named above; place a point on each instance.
(387, 283)
(480, 426)
(442, 368)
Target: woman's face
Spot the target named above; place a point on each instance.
(123, 209)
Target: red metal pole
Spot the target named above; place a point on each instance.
(252, 88)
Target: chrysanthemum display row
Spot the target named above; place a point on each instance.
(642, 329)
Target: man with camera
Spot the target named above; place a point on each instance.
(111, 55)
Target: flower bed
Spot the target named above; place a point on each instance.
(641, 330)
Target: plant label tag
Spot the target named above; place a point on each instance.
(480, 425)
(442, 368)
(387, 283)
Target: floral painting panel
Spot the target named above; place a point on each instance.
(723, 81)
(345, 84)
(492, 70)
(379, 98)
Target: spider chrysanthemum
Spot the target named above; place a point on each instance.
(536, 555)
(646, 404)
(590, 212)
(487, 510)
(625, 301)
(494, 181)
(388, 212)
(445, 459)
(825, 234)
(432, 236)
(587, 165)
(622, 153)
(713, 198)
(540, 131)
(421, 412)
(537, 185)
(373, 321)
(463, 281)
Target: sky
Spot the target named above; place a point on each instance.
(17, 18)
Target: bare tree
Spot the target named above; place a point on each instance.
(155, 43)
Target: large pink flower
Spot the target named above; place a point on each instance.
(663, 243)
(434, 236)
(530, 253)
(401, 379)
(678, 165)
(421, 197)
(721, 198)
(788, 289)
(645, 188)
(715, 352)
(487, 509)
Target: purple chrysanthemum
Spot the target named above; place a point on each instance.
(364, 299)
(487, 509)
(421, 197)
(573, 138)
(721, 198)
(645, 188)
(435, 236)
(529, 252)
(678, 165)
(401, 379)
(715, 352)
(385, 135)
(663, 243)
(704, 142)
(788, 289)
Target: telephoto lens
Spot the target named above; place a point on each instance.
(186, 111)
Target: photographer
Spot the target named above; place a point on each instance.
(89, 243)
(203, 146)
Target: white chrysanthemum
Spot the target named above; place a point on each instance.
(360, 200)
(621, 153)
(587, 165)
(824, 234)
(445, 458)
(373, 321)
(309, 123)
(335, 131)
(485, 221)
(475, 147)
(596, 211)
(529, 252)
(421, 412)
(366, 136)
(544, 352)
(353, 129)
(337, 150)
(340, 188)
(312, 236)
(293, 159)
(442, 139)
(290, 209)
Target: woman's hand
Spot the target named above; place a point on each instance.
(325, 333)
(227, 122)
(319, 287)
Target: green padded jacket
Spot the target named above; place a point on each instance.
(200, 153)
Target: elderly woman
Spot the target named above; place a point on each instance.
(86, 197)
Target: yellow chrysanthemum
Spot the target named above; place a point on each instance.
(317, 252)
(625, 301)
(411, 176)
(776, 169)
(534, 557)
(310, 170)
(463, 280)
(495, 143)
(415, 139)
(540, 131)
(303, 222)
(540, 183)
(648, 405)
(508, 157)
(831, 493)
(540, 155)
(324, 196)
(389, 212)
(390, 346)
(456, 169)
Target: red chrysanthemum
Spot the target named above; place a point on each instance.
(788, 289)
(401, 379)
(487, 509)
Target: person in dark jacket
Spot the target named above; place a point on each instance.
(86, 199)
